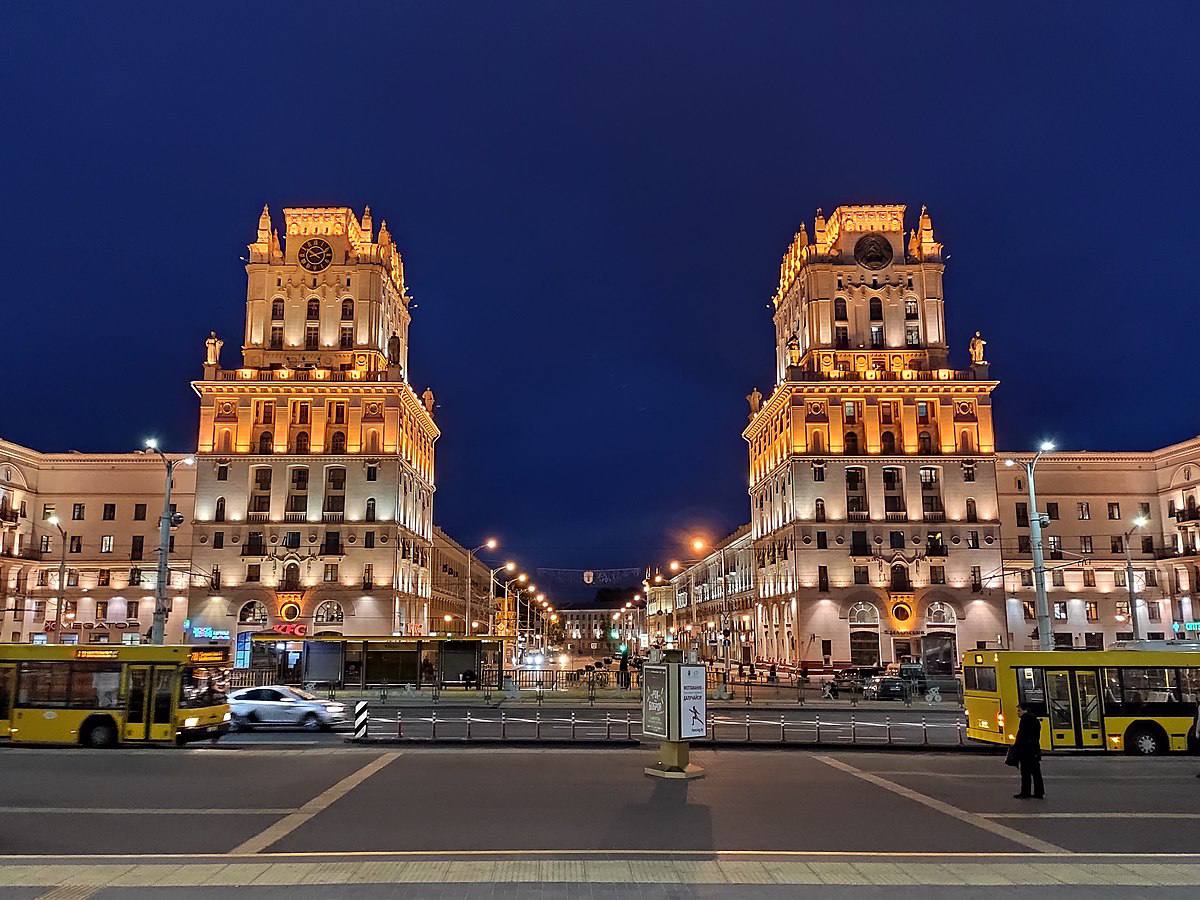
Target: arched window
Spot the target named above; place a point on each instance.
(314, 309)
(225, 442)
(277, 310)
(851, 442)
(370, 514)
(887, 443)
(900, 580)
(864, 614)
(219, 512)
(964, 442)
(265, 442)
(347, 310)
(940, 614)
(253, 613)
(337, 444)
(329, 613)
(876, 309)
(972, 511)
(819, 509)
(924, 442)
(372, 441)
(302, 443)
(291, 577)
(839, 309)
(818, 443)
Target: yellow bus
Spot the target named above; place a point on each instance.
(1141, 697)
(100, 696)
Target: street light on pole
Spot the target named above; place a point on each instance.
(1045, 628)
(1139, 522)
(62, 580)
(507, 567)
(489, 544)
(158, 630)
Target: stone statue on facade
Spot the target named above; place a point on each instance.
(428, 400)
(976, 348)
(754, 398)
(212, 349)
(393, 350)
(793, 350)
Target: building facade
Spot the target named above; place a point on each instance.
(884, 525)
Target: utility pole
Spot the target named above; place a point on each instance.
(1133, 611)
(62, 580)
(158, 630)
(1045, 627)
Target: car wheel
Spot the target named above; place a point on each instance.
(310, 722)
(100, 735)
(1143, 740)
(239, 723)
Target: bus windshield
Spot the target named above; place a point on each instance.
(203, 686)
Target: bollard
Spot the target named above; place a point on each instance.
(629, 726)
(468, 724)
(399, 724)
(607, 725)
(924, 731)
(782, 730)
(382, 693)
(888, 721)
(361, 720)
(537, 726)
(712, 727)
(747, 726)
(433, 725)
(572, 724)
(853, 730)
(818, 723)
(503, 725)
(958, 727)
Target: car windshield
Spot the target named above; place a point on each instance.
(303, 695)
(203, 686)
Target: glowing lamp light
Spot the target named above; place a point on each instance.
(151, 443)
(447, 618)
(491, 543)
(1046, 446)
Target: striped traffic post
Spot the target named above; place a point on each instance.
(360, 720)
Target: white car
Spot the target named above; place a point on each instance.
(282, 705)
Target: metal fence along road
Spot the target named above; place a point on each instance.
(907, 729)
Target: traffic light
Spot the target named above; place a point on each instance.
(614, 634)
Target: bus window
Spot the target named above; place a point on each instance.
(7, 677)
(42, 684)
(1059, 693)
(95, 685)
(203, 686)
(1189, 686)
(980, 678)
(137, 696)
(1031, 689)
(1149, 686)
(162, 695)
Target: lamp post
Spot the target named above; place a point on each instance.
(1045, 628)
(158, 630)
(489, 544)
(507, 567)
(1139, 522)
(62, 580)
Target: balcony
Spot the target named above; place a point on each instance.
(254, 549)
(293, 515)
(1187, 515)
(896, 515)
(934, 515)
(25, 553)
(858, 515)
(9, 516)
(861, 550)
(935, 549)
(258, 517)
(333, 549)
(328, 516)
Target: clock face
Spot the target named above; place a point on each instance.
(316, 255)
(873, 251)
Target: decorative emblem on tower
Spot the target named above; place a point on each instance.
(873, 251)
(315, 255)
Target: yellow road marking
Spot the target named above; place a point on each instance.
(1010, 834)
(322, 801)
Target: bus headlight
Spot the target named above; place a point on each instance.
(191, 722)
(227, 717)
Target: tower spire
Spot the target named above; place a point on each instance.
(264, 225)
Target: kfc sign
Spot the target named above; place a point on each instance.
(296, 629)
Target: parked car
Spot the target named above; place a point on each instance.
(283, 705)
(886, 687)
(853, 677)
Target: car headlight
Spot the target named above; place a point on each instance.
(227, 717)
(191, 722)
(335, 710)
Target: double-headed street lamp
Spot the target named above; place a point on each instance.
(62, 580)
(1139, 522)
(489, 544)
(1045, 628)
(507, 567)
(158, 630)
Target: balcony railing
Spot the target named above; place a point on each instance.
(298, 374)
(254, 550)
(296, 515)
(25, 553)
(935, 550)
(328, 516)
(333, 549)
(896, 515)
(257, 517)
(1187, 515)
(9, 515)
(858, 515)
(934, 515)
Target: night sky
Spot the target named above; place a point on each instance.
(592, 200)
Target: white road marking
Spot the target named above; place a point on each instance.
(122, 811)
(319, 803)
(1091, 815)
(1010, 834)
(70, 892)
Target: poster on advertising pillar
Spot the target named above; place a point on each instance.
(693, 715)
(654, 702)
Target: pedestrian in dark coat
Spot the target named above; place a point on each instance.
(1026, 754)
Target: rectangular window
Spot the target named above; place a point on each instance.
(1119, 577)
(1022, 515)
(276, 337)
(818, 473)
(223, 472)
(841, 337)
(861, 575)
(976, 578)
(896, 540)
(1083, 509)
(47, 511)
(937, 574)
(346, 337)
(1153, 611)
(1147, 545)
(1060, 610)
(822, 540)
(1054, 543)
(1144, 510)
(1092, 610)
(101, 610)
(139, 512)
(135, 576)
(912, 336)
(72, 581)
(1051, 510)
(77, 512)
(822, 578)
(310, 337)
(1085, 543)
(1114, 510)
(103, 578)
(1089, 577)
(1026, 578)
(369, 539)
(331, 571)
(138, 547)
(253, 572)
(968, 473)
(368, 575)
(876, 336)
(218, 540)
(372, 473)
(106, 543)
(291, 540)
(1151, 578)
(131, 610)
(1023, 545)
(972, 540)
(1056, 578)
(1029, 610)
(1117, 543)
(76, 544)
(109, 513)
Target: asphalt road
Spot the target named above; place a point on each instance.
(429, 821)
(902, 726)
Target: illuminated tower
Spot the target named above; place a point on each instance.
(872, 476)
(315, 473)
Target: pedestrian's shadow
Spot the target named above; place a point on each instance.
(663, 818)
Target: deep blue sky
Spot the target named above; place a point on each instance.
(592, 200)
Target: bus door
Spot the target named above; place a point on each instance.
(8, 687)
(1060, 709)
(137, 701)
(164, 689)
(1087, 701)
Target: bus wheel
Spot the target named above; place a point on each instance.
(1145, 740)
(99, 733)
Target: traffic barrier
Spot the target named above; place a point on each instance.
(361, 720)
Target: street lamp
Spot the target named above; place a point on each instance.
(62, 580)
(507, 567)
(489, 544)
(158, 630)
(1045, 632)
(1139, 522)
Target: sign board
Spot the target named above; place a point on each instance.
(693, 716)
(1191, 626)
(654, 702)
